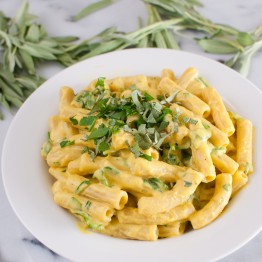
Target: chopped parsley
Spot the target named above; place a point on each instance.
(156, 184)
(148, 125)
(86, 99)
(100, 82)
(99, 132)
(88, 121)
(73, 120)
(65, 143)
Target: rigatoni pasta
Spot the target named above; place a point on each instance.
(142, 157)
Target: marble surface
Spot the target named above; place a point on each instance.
(16, 243)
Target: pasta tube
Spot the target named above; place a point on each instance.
(129, 231)
(217, 203)
(176, 228)
(90, 207)
(179, 194)
(131, 215)
(244, 145)
(193, 103)
(218, 110)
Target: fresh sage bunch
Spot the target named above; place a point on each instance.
(25, 43)
(215, 38)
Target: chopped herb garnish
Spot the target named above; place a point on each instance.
(100, 175)
(48, 136)
(89, 151)
(146, 156)
(88, 121)
(148, 97)
(156, 184)
(218, 150)
(86, 99)
(100, 82)
(65, 143)
(227, 187)
(83, 185)
(203, 81)
(178, 113)
(57, 163)
(133, 87)
(99, 132)
(75, 204)
(87, 219)
(206, 126)
(135, 149)
(111, 170)
(88, 204)
(103, 146)
(247, 168)
(45, 149)
(189, 120)
(73, 120)
(170, 99)
(187, 184)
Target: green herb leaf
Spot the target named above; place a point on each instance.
(82, 186)
(100, 82)
(148, 97)
(73, 120)
(145, 156)
(99, 132)
(206, 126)
(216, 46)
(103, 146)
(91, 8)
(111, 170)
(75, 204)
(88, 204)
(65, 143)
(189, 120)
(156, 184)
(245, 39)
(86, 98)
(227, 187)
(248, 167)
(187, 184)
(91, 153)
(88, 121)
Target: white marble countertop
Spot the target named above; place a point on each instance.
(16, 243)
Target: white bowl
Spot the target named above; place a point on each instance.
(28, 183)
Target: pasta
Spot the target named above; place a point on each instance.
(142, 157)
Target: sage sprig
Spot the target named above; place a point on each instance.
(216, 38)
(91, 9)
(25, 43)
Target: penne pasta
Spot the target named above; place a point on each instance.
(137, 157)
(217, 203)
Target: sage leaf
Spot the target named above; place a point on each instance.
(91, 8)
(37, 51)
(33, 34)
(216, 46)
(27, 61)
(245, 39)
